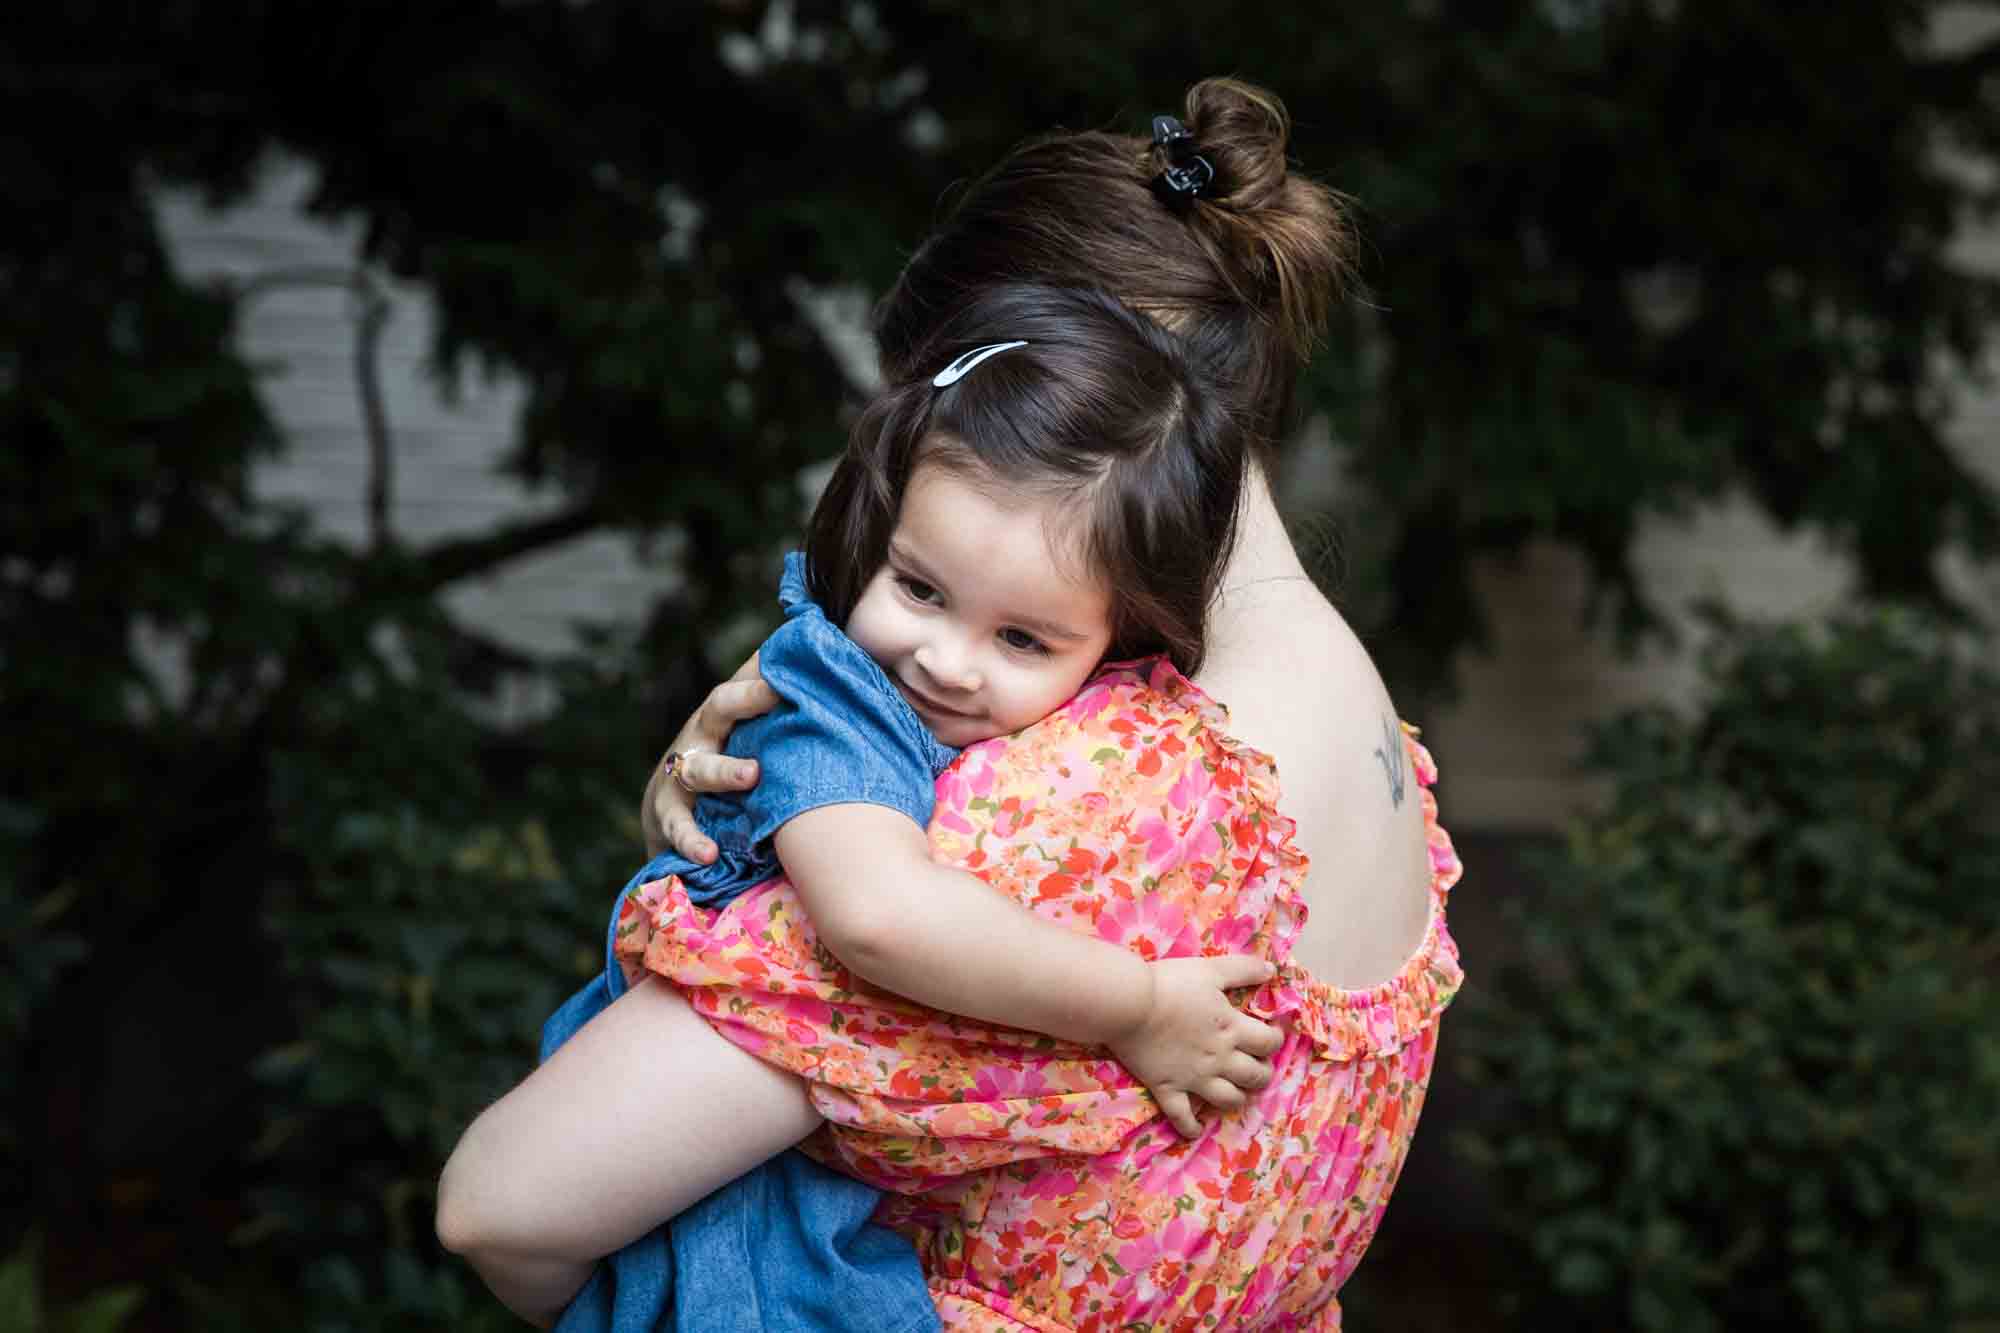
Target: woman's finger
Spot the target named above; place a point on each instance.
(706, 770)
(657, 809)
(731, 702)
(685, 836)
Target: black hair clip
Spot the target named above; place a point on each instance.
(1188, 173)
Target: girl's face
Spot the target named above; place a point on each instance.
(973, 616)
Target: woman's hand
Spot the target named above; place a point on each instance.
(1193, 1042)
(666, 812)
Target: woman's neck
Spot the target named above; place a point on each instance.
(1265, 596)
(1263, 557)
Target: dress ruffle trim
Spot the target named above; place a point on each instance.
(1342, 1024)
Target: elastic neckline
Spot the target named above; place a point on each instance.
(1343, 1022)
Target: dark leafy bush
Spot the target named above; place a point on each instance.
(23, 1308)
(442, 904)
(1752, 1058)
(35, 943)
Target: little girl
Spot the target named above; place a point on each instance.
(1061, 491)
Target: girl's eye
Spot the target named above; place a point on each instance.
(1022, 641)
(918, 590)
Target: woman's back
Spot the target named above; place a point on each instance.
(1300, 687)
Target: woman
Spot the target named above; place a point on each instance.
(1341, 880)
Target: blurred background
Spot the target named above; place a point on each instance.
(402, 408)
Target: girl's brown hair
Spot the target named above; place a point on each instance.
(1101, 409)
(1247, 273)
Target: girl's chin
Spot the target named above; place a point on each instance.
(954, 728)
(959, 732)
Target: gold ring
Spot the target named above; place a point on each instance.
(675, 767)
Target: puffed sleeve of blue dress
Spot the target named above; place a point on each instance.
(841, 733)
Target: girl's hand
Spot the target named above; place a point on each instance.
(1193, 1042)
(666, 812)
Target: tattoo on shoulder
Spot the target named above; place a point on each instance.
(1390, 752)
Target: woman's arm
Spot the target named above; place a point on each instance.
(940, 936)
(641, 1113)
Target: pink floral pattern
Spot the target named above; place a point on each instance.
(1038, 1182)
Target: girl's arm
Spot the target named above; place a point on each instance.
(903, 922)
(942, 937)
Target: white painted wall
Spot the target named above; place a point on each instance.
(448, 445)
(1509, 743)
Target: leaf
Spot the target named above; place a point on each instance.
(20, 1286)
(103, 1311)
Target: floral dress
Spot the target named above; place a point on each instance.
(1038, 1181)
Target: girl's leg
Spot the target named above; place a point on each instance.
(638, 1115)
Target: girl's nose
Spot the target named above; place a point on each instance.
(949, 664)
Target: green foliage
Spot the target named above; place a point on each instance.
(436, 906)
(433, 927)
(1752, 1059)
(22, 1309)
(38, 949)
(400, 1290)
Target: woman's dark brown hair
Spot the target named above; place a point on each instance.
(1246, 274)
(1102, 410)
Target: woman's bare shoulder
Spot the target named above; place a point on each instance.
(1300, 686)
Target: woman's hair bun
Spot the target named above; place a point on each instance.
(1243, 132)
(1282, 240)
(1248, 270)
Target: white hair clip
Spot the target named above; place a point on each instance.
(955, 372)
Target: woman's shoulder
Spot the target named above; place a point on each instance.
(1125, 807)
(1137, 733)
(1139, 717)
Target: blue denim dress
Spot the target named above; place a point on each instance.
(788, 1247)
